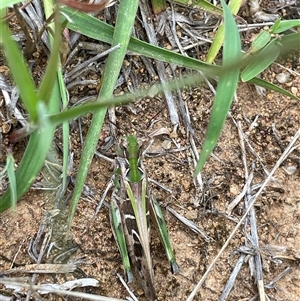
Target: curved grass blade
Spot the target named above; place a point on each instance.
(226, 87)
(34, 156)
(9, 169)
(234, 7)
(268, 54)
(19, 72)
(284, 25)
(40, 140)
(263, 83)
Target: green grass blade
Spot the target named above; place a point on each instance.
(48, 9)
(124, 24)
(96, 29)
(234, 7)
(265, 84)
(50, 76)
(75, 112)
(66, 130)
(226, 87)
(19, 72)
(202, 4)
(284, 25)
(40, 140)
(34, 156)
(268, 55)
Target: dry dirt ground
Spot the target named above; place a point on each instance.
(268, 121)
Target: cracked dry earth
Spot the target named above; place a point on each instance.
(268, 122)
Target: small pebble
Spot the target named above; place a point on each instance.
(186, 184)
(166, 144)
(192, 215)
(283, 77)
(294, 91)
(290, 169)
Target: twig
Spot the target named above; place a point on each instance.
(145, 12)
(230, 282)
(239, 197)
(127, 288)
(79, 68)
(252, 219)
(286, 271)
(190, 224)
(42, 269)
(84, 296)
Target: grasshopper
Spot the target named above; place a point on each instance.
(132, 205)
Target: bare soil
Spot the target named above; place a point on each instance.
(269, 122)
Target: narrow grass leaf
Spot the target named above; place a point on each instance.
(36, 150)
(202, 4)
(226, 87)
(284, 25)
(48, 9)
(267, 56)
(50, 76)
(96, 29)
(265, 84)
(71, 114)
(20, 72)
(34, 156)
(234, 7)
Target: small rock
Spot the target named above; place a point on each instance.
(289, 201)
(290, 169)
(234, 189)
(283, 77)
(186, 184)
(192, 215)
(294, 91)
(166, 144)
